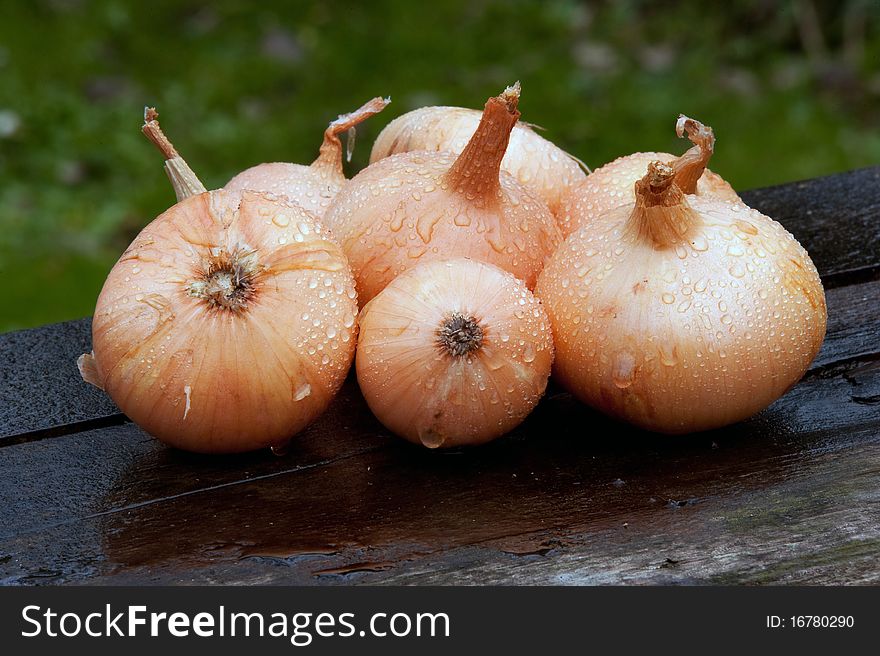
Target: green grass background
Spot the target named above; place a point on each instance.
(791, 88)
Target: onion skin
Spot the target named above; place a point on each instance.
(611, 185)
(535, 162)
(420, 390)
(422, 206)
(214, 378)
(313, 186)
(682, 313)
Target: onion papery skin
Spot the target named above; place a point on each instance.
(207, 378)
(689, 337)
(420, 391)
(535, 162)
(314, 188)
(611, 186)
(400, 211)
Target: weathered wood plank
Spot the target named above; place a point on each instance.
(817, 524)
(835, 218)
(40, 387)
(350, 503)
(853, 324)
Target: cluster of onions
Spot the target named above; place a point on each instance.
(230, 322)
(425, 205)
(453, 352)
(681, 312)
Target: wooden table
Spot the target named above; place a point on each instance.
(790, 496)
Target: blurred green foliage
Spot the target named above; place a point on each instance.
(787, 85)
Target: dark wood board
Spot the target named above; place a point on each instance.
(353, 504)
(834, 218)
(40, 387)
(792, 495)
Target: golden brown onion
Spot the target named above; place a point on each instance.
(682, 313)
(612, 184)
(453, 352)
(535, 162)
(422, 205)
(312, 186)
(227, 325)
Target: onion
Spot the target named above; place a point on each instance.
(534, 161)
(227, 325)
(682, 313)
(453, 352)
(422, 205)
(612, 185)
(312, 186)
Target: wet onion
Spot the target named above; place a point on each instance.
(681, 312)
(612, 184)
(422, 205)
(227, 325)
(312, 186)
(453, 352)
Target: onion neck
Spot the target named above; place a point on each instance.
(690, 166)
(330, 154)
(661, 216)
(184, 180)
(475, 172)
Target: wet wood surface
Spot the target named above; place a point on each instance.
(789, 496)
